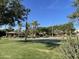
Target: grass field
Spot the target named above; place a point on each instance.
(10, 49)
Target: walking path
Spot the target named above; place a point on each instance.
(41, 38)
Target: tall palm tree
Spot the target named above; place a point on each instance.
(20, 26)
(35, 24)
(28, 25)
(34, 27)
(26, 31)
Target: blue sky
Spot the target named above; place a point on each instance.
(49, 12)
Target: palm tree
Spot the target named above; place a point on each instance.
(29, 29)
(20, 26)
(34, 26)
(26, 31)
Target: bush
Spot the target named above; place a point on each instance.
(2, 33)
(70, 48)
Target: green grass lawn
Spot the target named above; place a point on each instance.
(10, 49)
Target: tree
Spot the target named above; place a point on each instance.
(11, 11)
(70, 28)
(67, 28)
(71, 45)
(34, 26)
(44, 31)
(20, 28)
(26, 31)
(20, 25)
(75, 14)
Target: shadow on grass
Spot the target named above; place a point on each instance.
(52, 43)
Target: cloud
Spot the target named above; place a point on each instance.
(52, 4)
(57, 4)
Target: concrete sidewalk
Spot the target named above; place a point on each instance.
(41, 38)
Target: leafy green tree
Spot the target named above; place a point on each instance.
(45, 31)
(75, 15)
(67, 28)
(11, 11)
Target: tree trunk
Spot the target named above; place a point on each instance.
(19, 32)
(26, 35)
(52, 32)
(26, 32)
(5, 30)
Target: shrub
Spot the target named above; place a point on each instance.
(70, 48)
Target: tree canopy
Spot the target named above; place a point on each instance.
(75, 14)
(11, 11)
